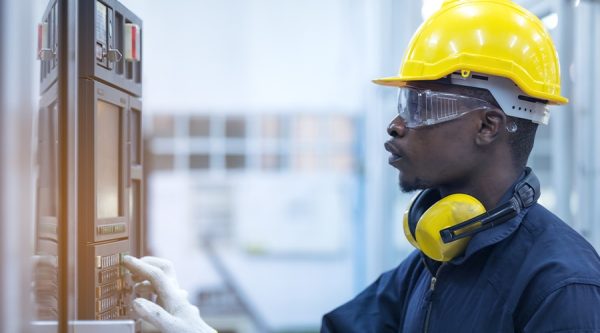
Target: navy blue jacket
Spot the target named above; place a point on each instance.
(531, 274)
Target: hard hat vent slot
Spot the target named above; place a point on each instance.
(532, 99)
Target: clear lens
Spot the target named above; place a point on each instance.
(426, 107)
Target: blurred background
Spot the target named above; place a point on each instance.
(266, 181)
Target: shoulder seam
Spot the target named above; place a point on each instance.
(560, 285)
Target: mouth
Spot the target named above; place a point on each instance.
(395, 154)
(394, 159)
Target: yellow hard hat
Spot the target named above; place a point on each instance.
(494, 37)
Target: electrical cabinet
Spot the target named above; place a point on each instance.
(107, 195)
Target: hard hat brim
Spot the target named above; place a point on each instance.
(390, 81)
(397, 81)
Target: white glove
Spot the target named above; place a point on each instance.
(172, 313)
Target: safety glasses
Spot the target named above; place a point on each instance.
(420, 107)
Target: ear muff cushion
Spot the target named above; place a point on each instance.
(419, 204)
(447, 212)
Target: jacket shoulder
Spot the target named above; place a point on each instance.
(555, 243)
(555, 258)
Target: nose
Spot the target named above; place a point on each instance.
(397, 127)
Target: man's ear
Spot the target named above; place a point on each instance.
(491, 126)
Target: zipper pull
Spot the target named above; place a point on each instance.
(432, 285)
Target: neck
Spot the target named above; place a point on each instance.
(487, 184)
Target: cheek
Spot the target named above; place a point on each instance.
(446, 156)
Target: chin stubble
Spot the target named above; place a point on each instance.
(415, 185)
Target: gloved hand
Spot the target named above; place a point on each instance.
(172, 313)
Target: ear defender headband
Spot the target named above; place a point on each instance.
(442, 227)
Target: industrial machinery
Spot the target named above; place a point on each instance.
(89, 193)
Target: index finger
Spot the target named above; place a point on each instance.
(160, 281)
(164, 264)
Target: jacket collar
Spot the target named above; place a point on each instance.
(487, 237)
(496, 234)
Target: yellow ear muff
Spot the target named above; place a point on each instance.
(447, 212)
(417, 206)
(407, 231)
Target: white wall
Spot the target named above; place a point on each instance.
(265, 55)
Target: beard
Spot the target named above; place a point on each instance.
(408, 186)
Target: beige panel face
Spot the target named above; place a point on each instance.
(47, 158)
(107, 164)
(135, 134)
(134, 217)
(44, 272)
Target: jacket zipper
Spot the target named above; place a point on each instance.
(429, 298)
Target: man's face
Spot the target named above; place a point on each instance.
(432, 156)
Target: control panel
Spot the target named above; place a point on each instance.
(110, 45)
(109, 284)
(110, 189)
(106, 182)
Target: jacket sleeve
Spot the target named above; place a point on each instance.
(574, 308)
(358, 315)
(375, 309)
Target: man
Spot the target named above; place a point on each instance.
(473, 86)
(474, 83)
